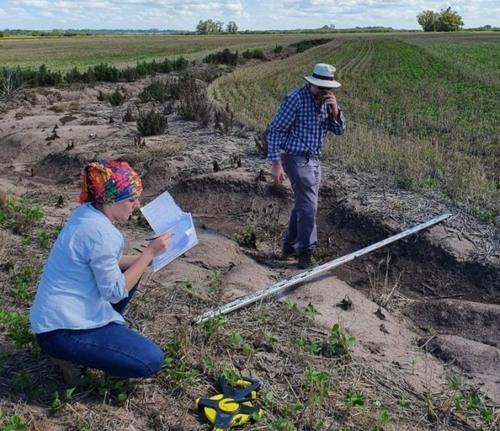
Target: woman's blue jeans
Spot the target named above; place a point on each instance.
(113, 348)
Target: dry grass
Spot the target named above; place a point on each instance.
(299, 390)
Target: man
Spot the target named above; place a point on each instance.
(295, 138)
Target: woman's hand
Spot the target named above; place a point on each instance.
(156, 246)
(160, 244)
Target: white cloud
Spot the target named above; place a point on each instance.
(47, 14)
(35, 3)
(248, 14)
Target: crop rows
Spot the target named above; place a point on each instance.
(412, 113)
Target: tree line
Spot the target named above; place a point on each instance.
(446, 20)
(210, 26)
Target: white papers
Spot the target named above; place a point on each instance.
(164, 215)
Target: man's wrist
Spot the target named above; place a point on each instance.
(336, 116)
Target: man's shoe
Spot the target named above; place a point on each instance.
(287, 251)
(306, 261)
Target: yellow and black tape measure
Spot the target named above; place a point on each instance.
(234, 406)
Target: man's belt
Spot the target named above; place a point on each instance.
(306, 154)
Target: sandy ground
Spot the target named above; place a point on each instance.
(47, 139)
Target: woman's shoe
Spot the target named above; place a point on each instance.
(72, 373)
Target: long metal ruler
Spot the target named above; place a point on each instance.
(306, 275)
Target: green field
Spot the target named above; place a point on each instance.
(424, 109)
(65, 53)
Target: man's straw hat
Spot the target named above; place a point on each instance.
(322, 76)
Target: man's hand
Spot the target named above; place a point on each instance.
(160, 244)
(277, 172)
(331, 100)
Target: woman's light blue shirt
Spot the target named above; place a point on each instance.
(81, 278)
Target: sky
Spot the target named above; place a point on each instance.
(248, 14)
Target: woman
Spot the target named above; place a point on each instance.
(87, 281)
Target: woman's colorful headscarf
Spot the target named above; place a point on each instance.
(109, 181)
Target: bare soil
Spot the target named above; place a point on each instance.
(422, 309)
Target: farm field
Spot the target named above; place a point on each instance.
(405, 338)
(423, 110)
(66, 53)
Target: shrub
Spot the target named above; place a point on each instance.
(446, 20)
(74, 76)
(105, 72)
(209, 73)
(129, 74)
(128, 116)
(303, 45)
(157, 91)
(116, 98)
(151, 123)
(222, 57)
(11, 82)
(180, 64)
(43, 77)
(255, 53)
(224, 119)
(277, 49)
(193, 102)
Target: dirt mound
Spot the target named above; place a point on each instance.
(477, 359)
(51, 96)
(215, 252)
(383, 337)
(60, 167)
(157, 176)
(472, 320)
(22, 147)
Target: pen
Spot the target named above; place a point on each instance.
(151, 238)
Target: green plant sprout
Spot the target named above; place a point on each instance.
(58, 403)
(355, 398)
(213, 325)
(317, 384)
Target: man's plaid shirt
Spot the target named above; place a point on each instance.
(300, 126)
